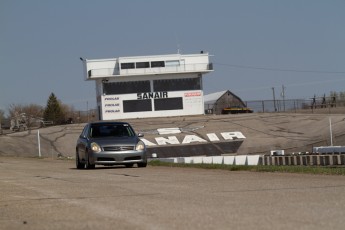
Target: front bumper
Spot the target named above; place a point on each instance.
(113, 158)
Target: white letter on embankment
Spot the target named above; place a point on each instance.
(212, 137)
(192, 138)
(147, 143)
(232, 135)
(170, 140)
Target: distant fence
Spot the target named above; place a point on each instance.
(85, 116)
(259, 106)
(293, 105)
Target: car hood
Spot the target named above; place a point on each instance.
(115, 141)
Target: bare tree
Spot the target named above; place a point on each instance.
(31, 113)
(69, 112)
(2, 114)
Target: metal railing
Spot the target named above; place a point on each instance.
(295, 105)
(106, 72)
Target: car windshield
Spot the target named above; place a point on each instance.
(111, 130)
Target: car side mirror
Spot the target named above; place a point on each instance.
(140, 135)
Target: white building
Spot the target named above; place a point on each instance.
(148, 86)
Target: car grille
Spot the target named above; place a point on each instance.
(132, 158)
(118, 148)
(105, 159)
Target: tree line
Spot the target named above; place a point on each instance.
(55, 112)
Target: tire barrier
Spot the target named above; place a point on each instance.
(301, 160)
(306, 160)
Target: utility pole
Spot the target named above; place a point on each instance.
(283, 96)
(330, 130)
(274, 100)
(87, 110)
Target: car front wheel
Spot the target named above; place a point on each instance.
(88, 164)
(142, 165)
(78, 164)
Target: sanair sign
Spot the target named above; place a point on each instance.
(188, 139)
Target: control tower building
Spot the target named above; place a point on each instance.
(148, 86)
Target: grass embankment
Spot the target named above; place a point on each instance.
(260, 168)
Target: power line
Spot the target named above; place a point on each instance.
(280, 70)
(289, 85)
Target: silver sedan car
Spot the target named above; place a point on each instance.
(109, 143)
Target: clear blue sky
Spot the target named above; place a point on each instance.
(257, 44)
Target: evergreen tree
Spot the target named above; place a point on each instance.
(53, 111)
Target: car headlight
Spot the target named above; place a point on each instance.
(95, 147)
(140, 146)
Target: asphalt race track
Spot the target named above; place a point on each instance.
(52, 194)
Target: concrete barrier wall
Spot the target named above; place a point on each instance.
(227, 160)
(241, 160)
(217, 160)
(254, 159)
(304, 160)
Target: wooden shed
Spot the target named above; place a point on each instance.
(224, 102)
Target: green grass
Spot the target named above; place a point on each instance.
(260, 168)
